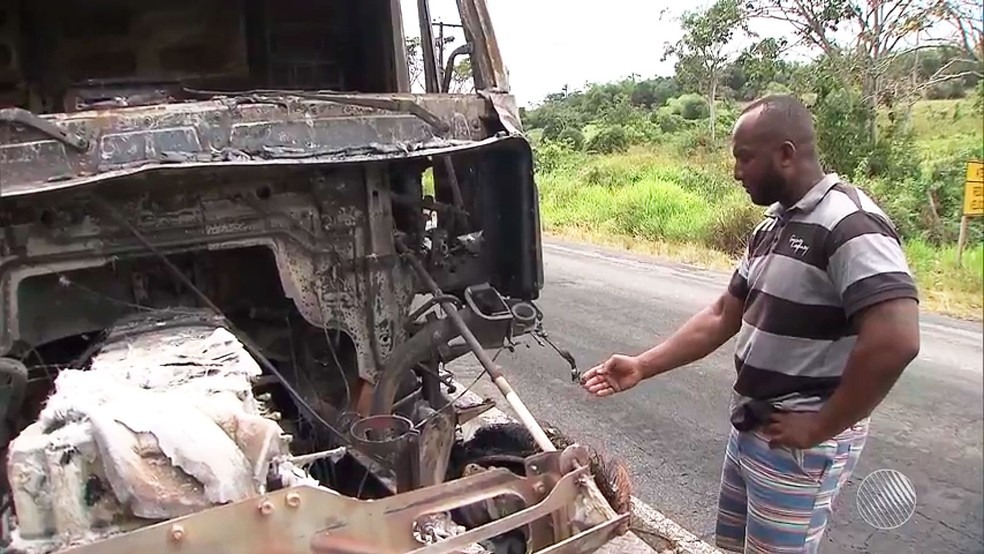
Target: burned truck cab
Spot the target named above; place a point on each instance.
(237, 253)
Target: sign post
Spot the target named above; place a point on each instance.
(973, 202)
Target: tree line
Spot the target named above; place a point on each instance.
(896, 53)
(868, 63)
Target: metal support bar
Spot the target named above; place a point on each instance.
(427, 46)
(564, 494)
(449, 68)
(28, 119)
(494, 371)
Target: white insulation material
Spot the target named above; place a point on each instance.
(163, 424)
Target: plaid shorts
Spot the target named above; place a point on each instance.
(779, 500)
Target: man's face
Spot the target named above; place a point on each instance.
(758, 164)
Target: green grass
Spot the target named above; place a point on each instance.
(940, 119)
(946, 286)
(690, 209)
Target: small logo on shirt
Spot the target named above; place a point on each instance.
(798, 245)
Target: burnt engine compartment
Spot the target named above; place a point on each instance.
(309, 264)
(280, 256)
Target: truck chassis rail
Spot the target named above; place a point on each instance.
(557, 511)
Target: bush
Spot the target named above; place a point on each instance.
(943, 175)
(550, 156)
(734, 218)
(667, 121)
(609, 140)
(690, 107)
(842, 136)
(894, 155)
(572, 137)
(726, 116)
(979, 99)
(695, 141)
(608, 175)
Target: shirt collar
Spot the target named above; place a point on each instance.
(810, 199)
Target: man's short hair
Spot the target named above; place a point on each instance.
(786, 112)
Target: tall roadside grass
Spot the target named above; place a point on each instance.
(691, 209)
(946, 286)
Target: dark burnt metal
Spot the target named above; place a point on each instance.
(13, 383)
(94, 94)
(394, 440)
(27, 119)
(494, 371)
(449, 68)
(276, 203)
(401, 105)
(324, 128)
(489, 70)
(431, 82)
(436, 438)
(243, 338)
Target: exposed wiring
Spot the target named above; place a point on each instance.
(362, 484)
(247, 343)
(298, 376)
(461, 395)
(334, 355)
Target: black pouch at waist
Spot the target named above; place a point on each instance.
(752, 415)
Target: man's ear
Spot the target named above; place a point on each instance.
(787, 154)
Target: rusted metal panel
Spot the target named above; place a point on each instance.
(227, 131)
(24, 158)
(332, 136)
(308, 519)
(119, 149)
(490, 71)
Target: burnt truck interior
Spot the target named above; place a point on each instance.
(237, 256)
(69, 55)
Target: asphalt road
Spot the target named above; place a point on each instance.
(671, 430)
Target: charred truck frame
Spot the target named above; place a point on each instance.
(228, 293)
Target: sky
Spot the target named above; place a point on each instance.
(549, 43)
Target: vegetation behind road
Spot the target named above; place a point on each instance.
(661, 200)
(899, 111)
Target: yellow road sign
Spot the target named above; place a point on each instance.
(974, 189)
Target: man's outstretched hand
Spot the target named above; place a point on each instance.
(617, 374)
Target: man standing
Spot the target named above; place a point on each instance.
(826, 313)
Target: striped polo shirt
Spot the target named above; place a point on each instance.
(807, 270)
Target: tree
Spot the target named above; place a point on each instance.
(705, 51)
(415, 61)
(881, 32)
(415, 58)
(653, 93)
(764, 68)
(461, 76)
(967, 22)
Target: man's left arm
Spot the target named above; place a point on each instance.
(888, 340)
(867, 266)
